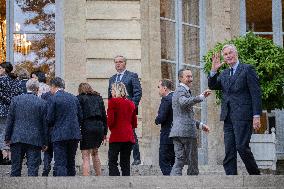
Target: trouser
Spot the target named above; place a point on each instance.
(3, 145)
(47, 158)
(64, 157)
(33, 154)
(186, 152)
(166, 158)
(237, 136)
(124, 150)
(136, 152)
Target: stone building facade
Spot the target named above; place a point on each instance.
(93, 32)
(157, 37)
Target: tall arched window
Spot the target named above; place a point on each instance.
(183, 45)
(30, 34)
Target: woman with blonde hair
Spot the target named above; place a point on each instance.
(93, 127)
(121, 121)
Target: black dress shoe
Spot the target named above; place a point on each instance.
(136, 162)
(6, 161)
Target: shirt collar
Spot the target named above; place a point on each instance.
(122, 73)
(185, 86)
(170, 93)
(236, 65)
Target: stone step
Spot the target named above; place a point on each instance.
(144, 170)
(145, 182)
(138, 170)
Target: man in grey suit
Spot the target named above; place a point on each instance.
(240, 109)
(134, 90)
(184, 129)
(26, 131)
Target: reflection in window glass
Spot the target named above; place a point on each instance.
(2, 30)
(35, 15)
(191, 45)
(168, 71)
(190, 12)
(167, 9)
(167, 40)
(35, 50)
(259, 15)
(38, 56)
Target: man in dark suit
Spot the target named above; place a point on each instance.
(134, 90)
(240, 109)
(26, 131)
(165, 118)
(63, 114)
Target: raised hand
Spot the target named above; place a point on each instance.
(216, 63)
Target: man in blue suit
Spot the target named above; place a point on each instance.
(134, 90)
(64, 115)
(26, 131)
(165, 118)
(240, 109)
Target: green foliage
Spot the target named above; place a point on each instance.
(268, 61)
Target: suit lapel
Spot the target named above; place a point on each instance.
(236, 75)
(124, 77)
(227, 76)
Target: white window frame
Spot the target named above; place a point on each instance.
(277, 28)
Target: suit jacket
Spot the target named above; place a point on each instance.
(93, 107)
(184, 124)
(241, 92)
(26, 121)
(64, 114)
(132, 84)
(165, 118)
(121, 120)
(8, 89)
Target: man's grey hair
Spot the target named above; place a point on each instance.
(32, 85)
(124, 59)
(57, 82)
(231, 46)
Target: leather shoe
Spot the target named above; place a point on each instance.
(6, 161)
(136, 162)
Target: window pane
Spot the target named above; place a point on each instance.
(2, 30)
(191, 45)
(38, 54)
(168, 71)
(167, 40)
(167, 9)
(36, 15)
(259, 15)
(190, 12)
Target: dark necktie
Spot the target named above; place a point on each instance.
(118, 78)
(231, 72)
(189, 91)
